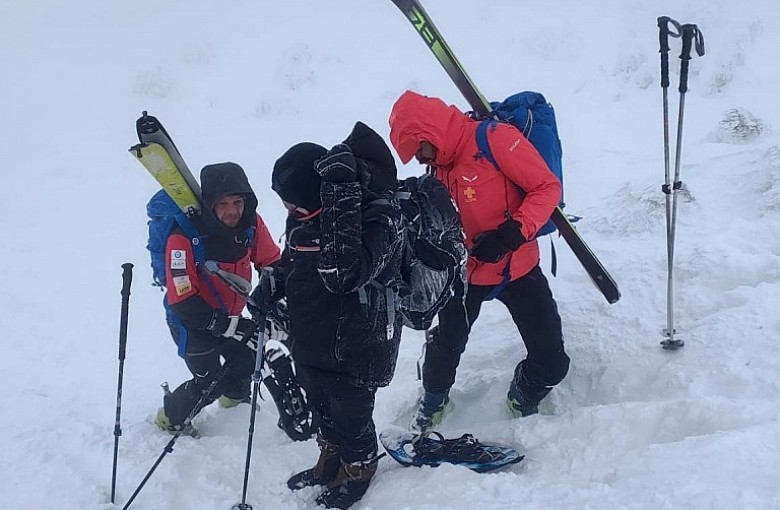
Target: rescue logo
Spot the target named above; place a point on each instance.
(470, 194)
(178, 259)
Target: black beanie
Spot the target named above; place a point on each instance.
(294, 178)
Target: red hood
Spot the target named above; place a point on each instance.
(416, 118)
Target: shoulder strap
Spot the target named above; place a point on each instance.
(198, 250)
(199, 253)
(482, 141)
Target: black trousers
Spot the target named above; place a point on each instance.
(204, 358)
(345, 413)
(535, 313)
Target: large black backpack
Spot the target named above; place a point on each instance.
(434, 252)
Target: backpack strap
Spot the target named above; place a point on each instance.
(391, 295)
(482, 141)
(198, 249)
(505, 275)
(199, 253)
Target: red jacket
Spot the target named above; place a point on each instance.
(184, 281)
(483, 194)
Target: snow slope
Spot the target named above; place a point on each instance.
(631, 427)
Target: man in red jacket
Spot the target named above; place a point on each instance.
(500, 223)
(204, 314)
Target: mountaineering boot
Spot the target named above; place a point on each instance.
(164, 423)
(226, 402)
(350, 484)
(324, 472)
(431, 408)
(518, 404)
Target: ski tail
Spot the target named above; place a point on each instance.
(150, 130)
(158, 162)
(422, 22)
(592, 265)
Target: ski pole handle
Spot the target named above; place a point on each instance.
(663, 39)
(127, 279)
(690, 35)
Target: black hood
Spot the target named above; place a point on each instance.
(375, 161)
(220, 180)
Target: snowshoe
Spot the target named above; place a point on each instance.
(295, 417)
(410, 449)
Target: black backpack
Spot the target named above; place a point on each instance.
(434, 250)
(434, 253)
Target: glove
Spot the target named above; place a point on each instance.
(237, 328)
(511, 235)
(489, 247)
(268, 291)
(337, 165)
(492, 245)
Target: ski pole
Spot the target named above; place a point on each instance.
(664, 33)
(663, 37)
(242, 287)
(169, 447)
(127, 279)
(260, 318)
(690, 33)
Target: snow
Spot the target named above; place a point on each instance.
(631, 427)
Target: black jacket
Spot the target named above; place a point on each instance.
(338, 318)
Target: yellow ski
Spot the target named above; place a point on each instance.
(158, 162)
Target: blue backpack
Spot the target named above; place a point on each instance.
(533, 116)
(164, 216)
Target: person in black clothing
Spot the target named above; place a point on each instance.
(344, 248)
(203, 313)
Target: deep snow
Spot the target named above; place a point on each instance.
(631, 427)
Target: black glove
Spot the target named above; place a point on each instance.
(337, 165)
(263, 300)
(510, 233)
(489, 246)
(237, 328)
(268, 291)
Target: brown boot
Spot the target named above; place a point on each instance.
(325, 471)
(350, 484)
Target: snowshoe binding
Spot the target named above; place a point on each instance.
(295, 417)
(411, 449)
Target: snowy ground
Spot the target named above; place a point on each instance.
(631, 427)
